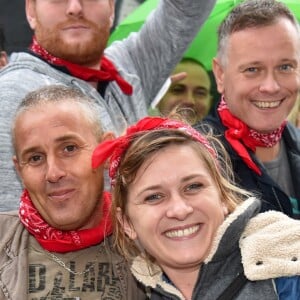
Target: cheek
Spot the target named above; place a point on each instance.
(143, 223)
(202, 103)
(168, 101)
(33, 179)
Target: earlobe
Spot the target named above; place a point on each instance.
(3, 59)
(218, 73)
(112, 16)
(16, 164)
(225, 209)
(107, 136)
(126, 224)
(30, 13)
(111, 21)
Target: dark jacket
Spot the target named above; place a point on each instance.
(264, 186)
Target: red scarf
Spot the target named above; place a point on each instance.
(239, 134)
(108, 71)
(55, 240)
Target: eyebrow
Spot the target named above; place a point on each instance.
(183, 180)
(60, 139)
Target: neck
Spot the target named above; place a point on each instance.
(95, 66)
(184, 280)
(265, 154)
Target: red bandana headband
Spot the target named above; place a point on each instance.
(114, 149)
(240, 135)
(108, 71)
(56, 240)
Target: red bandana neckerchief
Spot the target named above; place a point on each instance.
(55, 240)
(238, 132)
(114, 149)
(108, 71)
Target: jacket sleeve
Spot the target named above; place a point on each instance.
(154, 51)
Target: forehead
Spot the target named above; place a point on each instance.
(167, 159)
(285, 39)
(281, 31)
(51, 120)
(195, 72)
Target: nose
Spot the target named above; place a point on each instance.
(74, 7)
(269, 84)
(55, 170)
(189, 97)
(179, 208)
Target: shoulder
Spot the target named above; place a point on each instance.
(11, 230)
(9, 221)
(22, 68)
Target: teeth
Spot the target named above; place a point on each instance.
(182, 232)
(267, 104)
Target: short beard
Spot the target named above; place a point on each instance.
(86, 54)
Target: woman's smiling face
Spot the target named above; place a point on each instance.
(174, 208)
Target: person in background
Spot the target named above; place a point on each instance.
(59, 244)
(191, 95)
(70, 47)
(259, 82)
(191, 232)
(3, 54)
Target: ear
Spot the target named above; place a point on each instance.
(106, 137)
(31, 13)
(225, 209)
(3, 59)
(112, 15)
(126, 224)
(219, 75)
(17, 165)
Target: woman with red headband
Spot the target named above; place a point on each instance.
(192, 233)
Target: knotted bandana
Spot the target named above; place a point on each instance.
(108, 71)
(114, 149)
(55, 240)
(240, 135)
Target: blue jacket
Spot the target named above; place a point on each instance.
(288, 288)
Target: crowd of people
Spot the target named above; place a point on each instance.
(69, 46)
(99, 200)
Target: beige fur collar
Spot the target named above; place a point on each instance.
(151, 275)
(270, 246)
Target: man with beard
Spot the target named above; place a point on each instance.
(68, 47)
